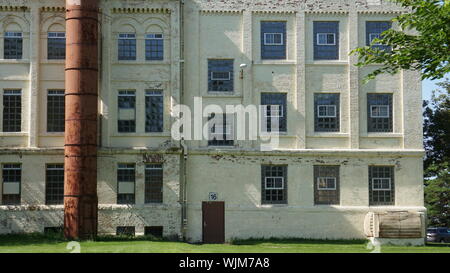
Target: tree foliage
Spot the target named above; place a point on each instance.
(437, 159)
(421, 43)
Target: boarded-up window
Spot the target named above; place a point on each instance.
(154, 111)
(326, 40)
(326, 109)
(220, 75)
(127, 111)
(326, 185)
(11, 186)
(126, 184)
(12, 110)
(273, 40)
(381, 185)
(379, 112)
(273, 184)
(153, 183)
(54, 184)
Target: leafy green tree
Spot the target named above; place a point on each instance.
(437, 159)
(421, 44)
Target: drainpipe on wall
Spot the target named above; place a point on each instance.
(81, 100)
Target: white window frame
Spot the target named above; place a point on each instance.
(153, 166)
(371, 38)
(381, 178)
(55, 92)
(277, 113)
(154, 93)
(12, 92)
(274, 33)
(220, 79)
(274, 188)
(326, 178)
(126, 36)
(379, 116)
(152, 36)
(326, 44)
(327, 115)
(13, 34)
(57, 35)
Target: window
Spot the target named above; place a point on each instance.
(274, 184)
(13, 45)
(125, 230)
(11, 176)
(326, 40)
(126, 122)
(56, 45)
(374, 29)
(154, 111)
(153, 183)
(126, 184)
(55, 111)
(326, 107)
(220, 130)
(53, 230)
(274, 112)
(220, 75)
(12, 110)
(127, 46)
(381, 185)
(155, 231)
(273, 40)
(379, 116)
(326, 185)
(154, 47)
(54, 184)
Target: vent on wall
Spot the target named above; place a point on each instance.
(394, 224)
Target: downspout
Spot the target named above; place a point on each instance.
(81, 115)
(182, 142)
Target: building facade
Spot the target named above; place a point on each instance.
(346, 149)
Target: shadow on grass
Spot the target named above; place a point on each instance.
(256, 241)
(438, 244)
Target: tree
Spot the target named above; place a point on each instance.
(421, 44)
(437, 158)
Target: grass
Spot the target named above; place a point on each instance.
(39, 243)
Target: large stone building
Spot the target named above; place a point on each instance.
(348, 153)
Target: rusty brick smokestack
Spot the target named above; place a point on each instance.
(80, 147)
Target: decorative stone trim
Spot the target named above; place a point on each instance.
(14, 8)
(215, 12)
(142, 10)
(53, 9)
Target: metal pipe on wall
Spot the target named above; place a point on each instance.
(81, 119)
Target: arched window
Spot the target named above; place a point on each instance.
(13, 42)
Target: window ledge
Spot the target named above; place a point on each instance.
(382, 135)
(222, 94)
(275, 62)
(53, 61)
(157, 134)
(329, 134)
(14, 61)
(327, 62)
(52, 134)
(12, 134)
(140, 62)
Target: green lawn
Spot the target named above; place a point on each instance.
(54, 244)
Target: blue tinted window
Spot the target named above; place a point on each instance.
(374, 30)
(326, 40)
(154, 47)
(127, 46)
(273, 40)
(220, 75)
(326, 108)
(279, 101)
(379, 112)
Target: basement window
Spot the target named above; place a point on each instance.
(125, 230)
(56, 46)
(55, 110)
(54, 184)
(126, 184)
(11, 188)
(53, 230)
(326, 185)
(155, 231)
(13, 42)
(12, 110)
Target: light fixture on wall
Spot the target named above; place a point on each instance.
(242, 66)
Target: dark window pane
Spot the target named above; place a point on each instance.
(379, 112)
(278, 101)
(54, 184)
(220, 130)
(13, 44)
(12, 111)
(381, 185)
(11, 176)
(326, 112)
(56, 46)
(154, 111)
(127, 47)
(273, 184)
(125, 174)
(153, 183)
(326, 185)
(374, 29)
(273, 40)
(156, 231)
(154, 47)
(216, 71)
(324, 48)
(55, 111)
(126, 122)
(125, 230)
